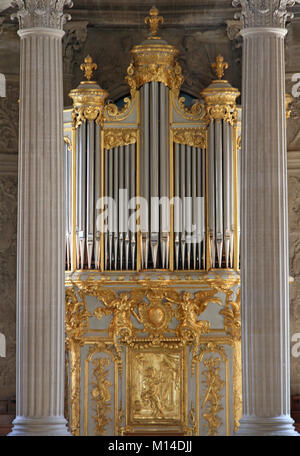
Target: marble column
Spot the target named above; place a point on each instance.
(40, 260)
(264, 223)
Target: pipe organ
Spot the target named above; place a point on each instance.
(152, 252)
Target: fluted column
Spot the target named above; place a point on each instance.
(40, 261)
(264, 224)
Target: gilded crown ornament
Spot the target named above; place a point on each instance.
(220, 97)
(154, 20)
(88, 99)
(219, 66)
(88, 67)
(154, 60)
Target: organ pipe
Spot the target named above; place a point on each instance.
(204, 179)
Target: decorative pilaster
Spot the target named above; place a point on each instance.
(40, 261)
(264, 223)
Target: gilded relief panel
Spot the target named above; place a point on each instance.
(155, 387)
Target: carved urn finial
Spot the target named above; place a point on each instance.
(154, 20)
(219, 66)
(88, 67)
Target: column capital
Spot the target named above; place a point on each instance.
(41, 13)
(263, 13)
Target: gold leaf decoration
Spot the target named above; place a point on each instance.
(194, 137)
(212, 397)
(101, 394)
(116, 137)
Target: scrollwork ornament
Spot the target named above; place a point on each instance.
(194, 137)
(264, 13)
(41, 13)
(119, 137)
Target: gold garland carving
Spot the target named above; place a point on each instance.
(194, 137)
(83, 113)
(101, 394)
(221, 109)
(212, 397)
(116, 137)
(154, 63)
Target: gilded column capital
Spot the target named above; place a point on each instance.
(263, 13)
(41, 13)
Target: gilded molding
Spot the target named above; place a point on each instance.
(194, 137)
(264, 13)
(41, 13)
(116, 137)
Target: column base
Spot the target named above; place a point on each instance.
(257, 425)
(23, 426)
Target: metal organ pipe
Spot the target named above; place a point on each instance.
(182, 196)
(219, 189)
(195, 211)
(188, 206)
(164, 174)
(68, 206)
(145, 168)
(127, 188)
(211, 192)
(116, 199)
(202, 193)
(90, 203)
(97, 196)
(106, 229)
(154, 169)
(228, 196)
(177, 205)
(111, 212)
(132, 194)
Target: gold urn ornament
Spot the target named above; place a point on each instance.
(88, 98)
(220, 97)
(154, 60)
